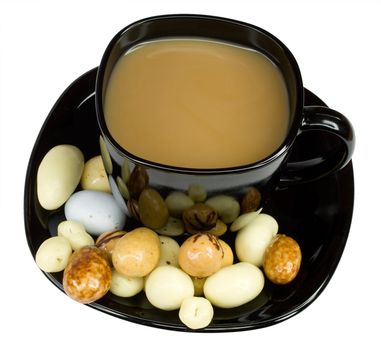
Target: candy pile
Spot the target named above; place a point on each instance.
(176, 255)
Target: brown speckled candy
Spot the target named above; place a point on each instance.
(137, 181)
(199, 217)
(251, 200)
(282, 259)
(87, 277)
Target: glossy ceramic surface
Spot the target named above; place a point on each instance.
(263, 174)
(317, 214)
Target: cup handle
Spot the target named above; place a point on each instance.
(321, 118)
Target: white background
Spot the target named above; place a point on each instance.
(45, 45)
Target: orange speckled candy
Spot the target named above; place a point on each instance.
(201, 255)
(88, 275)
(282, 259)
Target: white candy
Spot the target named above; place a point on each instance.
(234, 285)
(124, 286)
(177, 202)
(244, 220)
(226, 207)
(253, 239)
(167, 286)
(196, 312)
(173, 227)
(58, 175)
(169, 252)
(197, 192)
(53, 254)
(267, 220)
(76, 234)
(94, 176)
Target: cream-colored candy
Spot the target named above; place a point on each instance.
(53, 254)
(94, 176)
(196, 312)
(226, 207)
(173, 227)
(197, 193)
(76, 234)
(244, 220)
(234, 285)
(169, 251)
(266, 220)
(124, 286)
(58, 175)
(253, 239)
(177, 202)
(167, 286)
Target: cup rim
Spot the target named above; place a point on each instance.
(286, 144)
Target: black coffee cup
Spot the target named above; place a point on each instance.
(265, 175)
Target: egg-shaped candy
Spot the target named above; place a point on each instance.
(87, 277)
(234, 285)
(167, 286)
(153, 211)
(76, 234)
(252, 240)
(282, 259)
(53, 254)
(94, 175)
(137, 253)
(58, 175)
(97, 211)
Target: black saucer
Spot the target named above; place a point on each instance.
(317, 214)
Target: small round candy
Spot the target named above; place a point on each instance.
(53, 254)
(177, 202)
(201, 255)
(282, 259)
(167, 286)
(75, 232)
(169, 251)
(196, 312)
(124, 286)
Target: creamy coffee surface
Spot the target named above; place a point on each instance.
(197, 104)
